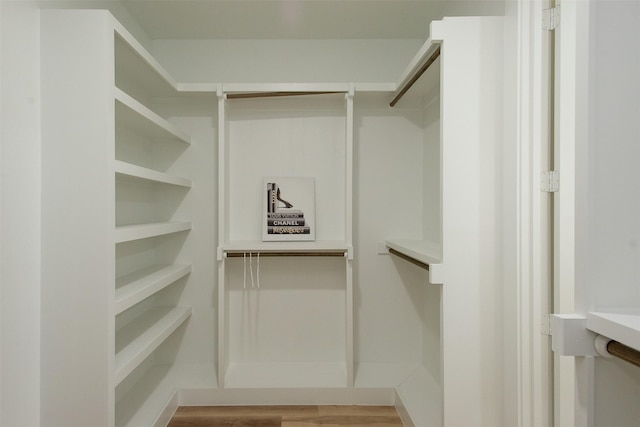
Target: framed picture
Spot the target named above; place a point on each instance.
(289, 209)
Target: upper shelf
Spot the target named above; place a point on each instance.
(134, 115)
(421, 76)
(622, 327)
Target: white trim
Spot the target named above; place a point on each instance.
(533, 386)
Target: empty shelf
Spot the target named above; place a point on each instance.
(622, 327)
(419, 250)
(137, 340)
(133, 115)
(134, 287)
(127, 233)
(127, 169)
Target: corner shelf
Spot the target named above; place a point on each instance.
(136, 341)
(135, 287)
(128, 169)
(623, 327)
(127, 233)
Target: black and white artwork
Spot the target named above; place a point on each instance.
(289, 209)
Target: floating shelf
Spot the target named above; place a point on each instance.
(623, 327)
(133, 115)
(138, 340)
(135, 287)
(127, 233)
(420, 250)
(128, 169)
(136, 63)
(286, 375)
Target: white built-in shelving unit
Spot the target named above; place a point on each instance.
(147, 197)
(449, 239)
(265, 340)
(144, 217)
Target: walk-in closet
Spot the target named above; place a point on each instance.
(412, 204)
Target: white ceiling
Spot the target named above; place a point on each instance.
(292, 19)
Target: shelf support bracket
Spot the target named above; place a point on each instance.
(570, 336)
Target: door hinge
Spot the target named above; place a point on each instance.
(545, 324)
(550, 181)
(551, 18)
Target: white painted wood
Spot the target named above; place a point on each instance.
(127, 233)
(420, 250)
(471, 236)
(573, 399)
(138, 340)
(21, 212)
(621, 327)
(147, 400)
(382, 375)
(133, 114)
(288, 396)
(135, 62)
(285, 87)
(421, 397)
(123, 168)
(164, 418)
(420, 58)
(134, 287)
(77, 353)
(286, 375)
(240, 246)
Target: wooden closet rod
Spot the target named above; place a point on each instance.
(623, 352)
(273, 94)
(415, 77)
(284, 254)
(408, 258)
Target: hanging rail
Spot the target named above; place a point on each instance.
(408, 258)
(286, 254)
(414, 78)
(249, 95)
(623, 352)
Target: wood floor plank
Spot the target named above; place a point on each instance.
(286, 416)
(341, 421)
(355, 410)
(215, 421)
(254, 410)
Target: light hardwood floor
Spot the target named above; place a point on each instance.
(285, 416)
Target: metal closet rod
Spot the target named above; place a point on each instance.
(285, 254)
(623, 352)
(408, 258)
(273, 94)
(415, 77)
